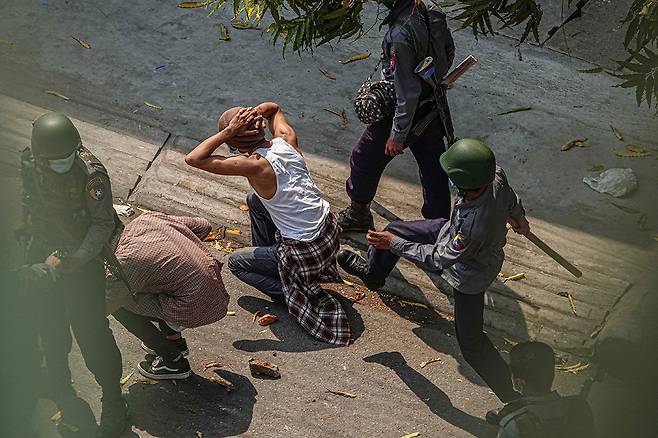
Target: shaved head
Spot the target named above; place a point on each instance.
(240, 142)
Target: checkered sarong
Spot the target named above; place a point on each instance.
(302, 267)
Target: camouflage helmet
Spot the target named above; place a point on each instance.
(54, 136)
(469, 163)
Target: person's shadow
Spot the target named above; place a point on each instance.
(291, 337)
(193, 407)
(435, 399)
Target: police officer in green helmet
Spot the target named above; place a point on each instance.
(70, 223)
(467, 249)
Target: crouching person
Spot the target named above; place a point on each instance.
(176, 284)
(295, 236)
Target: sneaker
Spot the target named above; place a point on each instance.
(356, 265)
(358, 220)
(163, 369)
(179, 343)
(114, 418)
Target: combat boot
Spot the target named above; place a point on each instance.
(356, 265)
(114, 418)
(356, 218)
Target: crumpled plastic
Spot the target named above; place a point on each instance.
(616, 182)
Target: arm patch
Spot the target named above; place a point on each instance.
(96, 188)
(458, 242)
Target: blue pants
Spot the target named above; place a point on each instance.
(475, 345)
(368, 162)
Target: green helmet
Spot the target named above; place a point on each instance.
(469, 163)
(54, 136)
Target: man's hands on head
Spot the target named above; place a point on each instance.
(379, 239)
(248, 121)
(393, 148)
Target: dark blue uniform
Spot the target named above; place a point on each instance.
(405, 45)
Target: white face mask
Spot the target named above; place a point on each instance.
(62, 165)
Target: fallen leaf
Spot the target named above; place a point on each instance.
(617, 133)
(358, 57)
(233, 232)
(253, 318)
(342, 115)
(341, 393)
(57, 94)
(596, 331)
(516, 110)
(56, 417)
(209, 365)
(412, 303)
(174, 382)
(411, 435)
(267, 319)
(424, 363)
(514, 277)
(624, 208)
(596, 168)
(572, 303)
(327, 75)
(230, 313)
(83, 43)
(188, 5)
(590, 70)
(244, 207)
(199, 434)
(349, 283)
(509, 341)
(243, 25)
(221, 381)
(214, 234)
(152, 105)
(579, 142)
(223, 33)
(635, 149)
(124, 380)
(625, 153)
(573, 368)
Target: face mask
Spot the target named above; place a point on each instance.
(62, 165)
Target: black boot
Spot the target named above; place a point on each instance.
(114, 418)
(356, 218)
(356, 265)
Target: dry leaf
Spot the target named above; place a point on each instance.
(199, 434)
(509, 341)
(233, 232)
(57, 94)
(349, 283)
(573, 368)
(223, 33)
(625, 153)
(412, 303)
(243, 25)
(635, 149)
(214, 234)
(424, 363)
(617, 133)
(253, 318)
(572, 303)
(230, 313)
(412, 435)
(358, 57)
(516, 110)
(267, 319)
(590, 70)
(221, 381)
(624, 208)
(341, 393)
(124, 380)
(244, 207)
(576, 142)
(152, 105)
(83, 43)
(514, 277)
(174, 382)
(327, 75)
(56, 417)
(342, 115)
(209, 365)
(596, 168)
(188, 5)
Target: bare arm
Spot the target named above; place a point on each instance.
(278, 123)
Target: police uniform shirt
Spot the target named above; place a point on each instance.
(469, 248)
(404, 47)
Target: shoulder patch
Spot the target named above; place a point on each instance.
(96, 188)
(458, 242)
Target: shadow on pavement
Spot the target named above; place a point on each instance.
(291, 337)
(435, 399)
(193, 405)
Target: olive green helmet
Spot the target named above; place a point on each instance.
(469, 163)
(54, 136)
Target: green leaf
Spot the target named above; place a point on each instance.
(649, 89)
(639, 91)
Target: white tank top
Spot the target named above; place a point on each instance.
(297, 208)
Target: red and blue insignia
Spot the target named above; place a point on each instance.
(458, 242)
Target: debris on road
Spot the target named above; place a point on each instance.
(243, 25)
(342, 393)
(349, 283)
(82, 42)
(56, 417)
(215, 234)
(214, 364)
(411, 435)
(631, 151)
(515, 110)
(358, 57)
(424, 363)
(188, 5)
(230, 313)
(123, 210)
(412, 303)
(358, 297)
(253, 318)
(509, 341)
(327, 74)
(617, 133)
(233, 232)
(515, 277)
(223, 33)
(573, 369)
(221, 381)
(125, 379)
(259, 367)
(590, 70)
(152, 105)
(57, 94)
(568, 296)
(267, 319)
(576, 142)
(342, 115)
(617, 182)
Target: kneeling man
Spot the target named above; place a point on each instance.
(295, 236)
